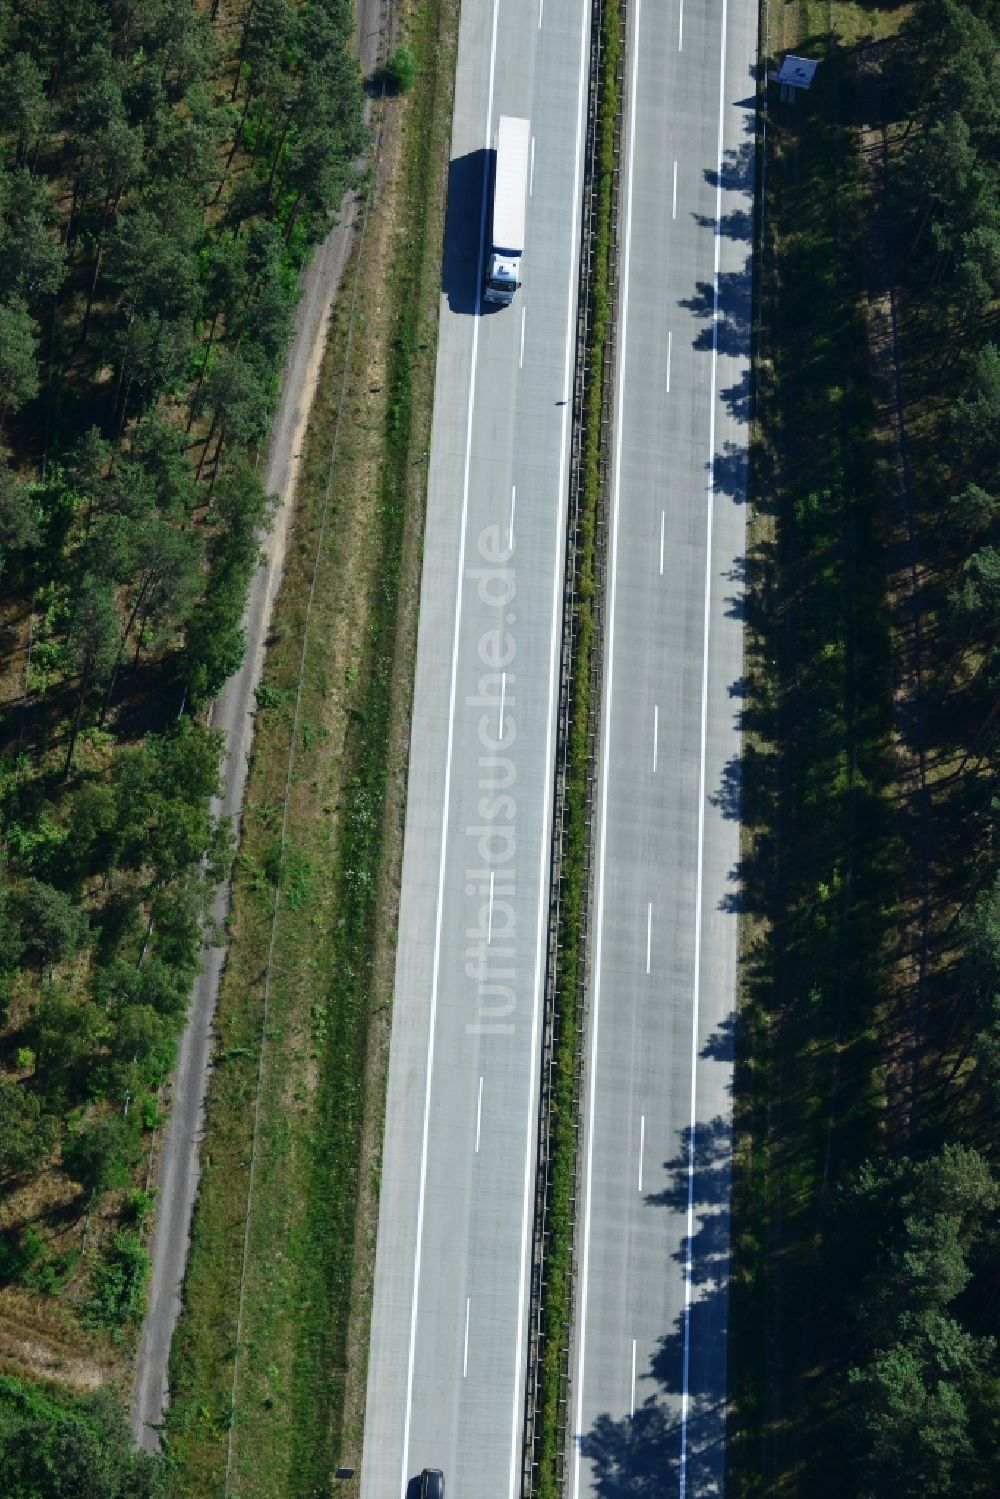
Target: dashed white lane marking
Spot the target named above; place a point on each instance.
(670, 340)
(632, 1409)
(531, 174)
(569, 347)
(656, 733)
(503, 695)
(642, 1145)
(489, 923)
(510, 528)
(479, 1114)
(453, 692)
(520, 362)
(465, 1355)
(680, 30)
(674, 210)
(649, 934)
(700, 874)
(663, 522)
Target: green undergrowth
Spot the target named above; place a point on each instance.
(564, 1103)
(295, 1358)
(821, 852)
(53, 1442)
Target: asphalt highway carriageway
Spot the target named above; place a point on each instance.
(649, 1376)
(447, 1360)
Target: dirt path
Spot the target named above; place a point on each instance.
(232, 714)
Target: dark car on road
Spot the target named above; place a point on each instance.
(432, 1484)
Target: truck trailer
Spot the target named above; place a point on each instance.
(510, 191)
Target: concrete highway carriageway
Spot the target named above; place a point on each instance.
(448, 1341)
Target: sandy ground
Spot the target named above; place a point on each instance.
(26, 1345)
(232, 713)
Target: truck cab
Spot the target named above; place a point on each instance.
(501, 276)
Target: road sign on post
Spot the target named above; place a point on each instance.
(794, 73)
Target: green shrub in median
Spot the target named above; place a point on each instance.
(550, 1426)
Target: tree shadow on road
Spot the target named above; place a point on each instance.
(640, 1455)
(737, 396)
(721, 1044)
(733, 335)
(729, 332)
(726, 796)
(736, 602)
(737, 176)
(712, 1143)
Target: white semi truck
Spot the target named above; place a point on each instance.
(510, 191)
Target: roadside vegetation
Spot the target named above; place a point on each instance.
(564, 1104)
(864, 1318)
(53, 1444)
(164, 170)
(269, 1362)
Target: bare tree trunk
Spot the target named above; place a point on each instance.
(962, 1056)
(49, 373)
(218, 460)
(97, 270)
(121, 369)
(146, 939)
(294, 215)
(208, 444)
(201, 374)
(977, 737)
(139, 599)
(277, 158)
(75, 730)
(237, 138)
(70, 239)
(923, 225)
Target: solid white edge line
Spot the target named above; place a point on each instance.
(422, 1190)
(696, 995)
(606, 710)
(531, 1132)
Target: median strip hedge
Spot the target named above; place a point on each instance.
(564, 1103)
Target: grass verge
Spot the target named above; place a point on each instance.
(574, 894)
(302, 1355)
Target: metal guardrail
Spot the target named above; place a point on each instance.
(584, 375)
